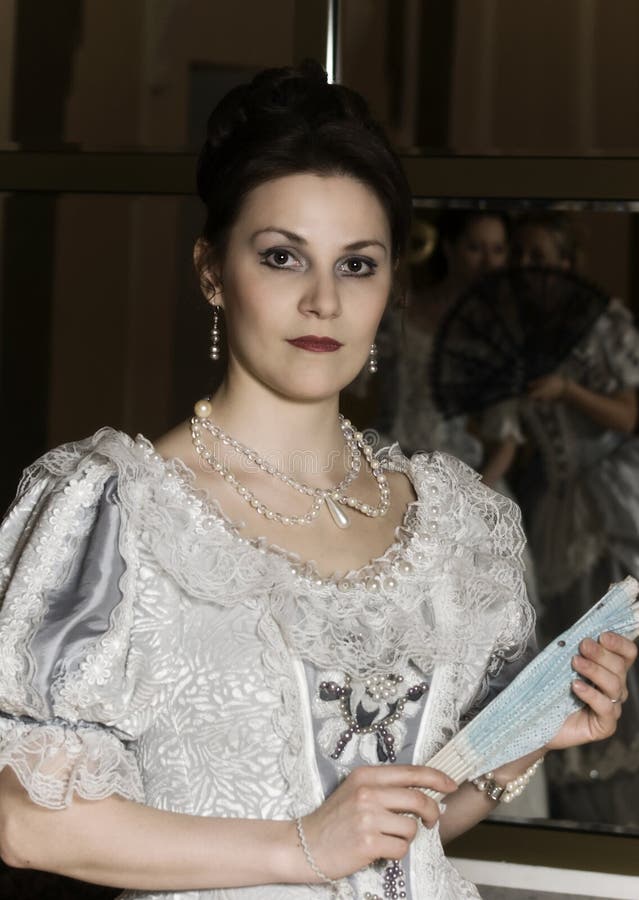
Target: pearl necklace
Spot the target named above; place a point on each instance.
(333, 498)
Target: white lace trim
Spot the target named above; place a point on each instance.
(465, 540)
(285, 719)
(434, 877)
(466, 543)
(211, 516)
(54, 762)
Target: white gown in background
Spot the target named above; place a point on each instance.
(580, 497)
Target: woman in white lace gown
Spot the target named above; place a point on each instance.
(190, 707)
(580, 497)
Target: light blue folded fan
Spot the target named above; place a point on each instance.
(531, 710)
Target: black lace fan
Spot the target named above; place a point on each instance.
(510, 327)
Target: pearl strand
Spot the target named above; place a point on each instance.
(330, 496)
(517, 786)
(202, 411)
(506, 794)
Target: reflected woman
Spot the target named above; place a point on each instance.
(580, 498)
(209, 683)
(470, 244)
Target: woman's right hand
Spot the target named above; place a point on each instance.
(372, 815)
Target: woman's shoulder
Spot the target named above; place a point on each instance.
(61, 487)
(136, 464)
(111, 493)
(101, 455)
(67, 490)
(424, 468)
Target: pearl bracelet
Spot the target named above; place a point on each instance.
(506, 793)
(311, 862)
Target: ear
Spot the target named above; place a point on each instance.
(210, 280)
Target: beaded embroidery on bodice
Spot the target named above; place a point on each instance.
(366, 718)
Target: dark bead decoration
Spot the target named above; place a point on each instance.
(393, 883)
(329, 690)
(343, 740)
(417, 691)
(385, 745)
(363, 721)
(389, 743)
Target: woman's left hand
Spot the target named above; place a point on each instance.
(548, 388)
(605, 663)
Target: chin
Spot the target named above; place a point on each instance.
(304, 383)
(309, 390)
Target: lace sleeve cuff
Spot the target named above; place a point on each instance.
(55, 761)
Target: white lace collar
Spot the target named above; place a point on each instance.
(450, 589)
(369, 574)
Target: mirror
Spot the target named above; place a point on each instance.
(563, 464)
(505, 77)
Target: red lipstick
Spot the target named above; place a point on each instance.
(315, 344)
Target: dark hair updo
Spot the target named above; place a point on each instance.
(288, 121)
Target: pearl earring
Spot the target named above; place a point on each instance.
(214, 352)
(372, 359)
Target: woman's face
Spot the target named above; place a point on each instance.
(309, 257)
(482, 247)
(534, 245)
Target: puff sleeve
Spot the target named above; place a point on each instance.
(77, 687)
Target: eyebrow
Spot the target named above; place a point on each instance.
(298, 239)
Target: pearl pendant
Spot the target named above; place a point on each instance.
(339, 516)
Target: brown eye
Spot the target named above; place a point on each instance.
(279, 258)
(358, 266)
